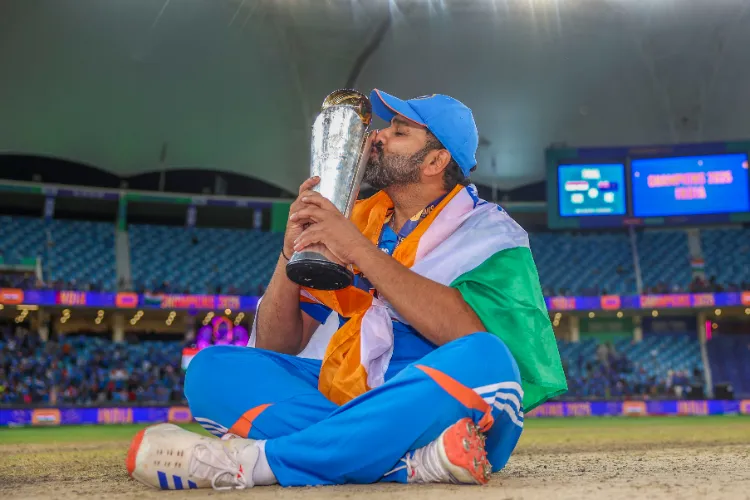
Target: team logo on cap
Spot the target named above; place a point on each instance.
(424, 97)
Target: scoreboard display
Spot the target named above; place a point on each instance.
(661, 185)
(591, 189)
(688, 185)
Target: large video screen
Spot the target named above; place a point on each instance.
(595, 189)
(690, 185)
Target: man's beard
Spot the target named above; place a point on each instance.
(384, 171)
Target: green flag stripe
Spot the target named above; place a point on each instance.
(505, 293)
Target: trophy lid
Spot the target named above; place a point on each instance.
(348, 97)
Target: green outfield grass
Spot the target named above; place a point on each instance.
(545, 433)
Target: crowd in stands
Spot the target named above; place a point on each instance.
(29, 281)
(661, 366)
(698, 285)
(86, 370)
(93, 370)
(614, 376)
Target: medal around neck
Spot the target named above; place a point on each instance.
(340, 149)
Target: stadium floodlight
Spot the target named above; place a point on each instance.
(717, 312)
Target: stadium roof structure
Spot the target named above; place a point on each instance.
(140, 85)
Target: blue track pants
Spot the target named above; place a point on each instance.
(311, 441)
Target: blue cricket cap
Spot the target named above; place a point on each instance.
(450, 120)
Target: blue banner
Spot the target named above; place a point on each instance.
(126, 300)
(640, 408)
(181, 414)
(130, 300)
(93, 416)
(666, 301)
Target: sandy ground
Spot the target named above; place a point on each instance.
(675, 466)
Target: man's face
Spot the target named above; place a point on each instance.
(397, 155)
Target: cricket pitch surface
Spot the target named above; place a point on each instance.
(575, 458)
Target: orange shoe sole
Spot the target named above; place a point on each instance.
(463, 443)
(135, 444)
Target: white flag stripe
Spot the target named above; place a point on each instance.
(514, 386)
(504, 407)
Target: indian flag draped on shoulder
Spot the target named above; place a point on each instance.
(468, 244)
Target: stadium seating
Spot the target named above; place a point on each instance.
(200, 259)
(208, 260)
(75, 252)
(659, 361)
(85, 369)
(584, 263)
(727, 254)
(664, 258)
(729, 356)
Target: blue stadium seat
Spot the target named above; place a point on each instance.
(21, 238)
(584, 264)
(76, 252)
(664, 258)
(199, 259)
(727, 254)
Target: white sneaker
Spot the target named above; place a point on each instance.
(168, 457)
(457, 456)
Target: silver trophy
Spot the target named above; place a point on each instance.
(340, 150)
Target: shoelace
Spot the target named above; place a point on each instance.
(423, 466)
(206, 460)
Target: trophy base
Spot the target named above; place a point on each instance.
(312, 270)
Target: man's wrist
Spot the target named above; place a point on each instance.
(364, 254)
(281, 270)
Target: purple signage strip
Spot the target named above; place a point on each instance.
(130, 300)
(23, 417)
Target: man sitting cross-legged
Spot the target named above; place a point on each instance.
(442, 342)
